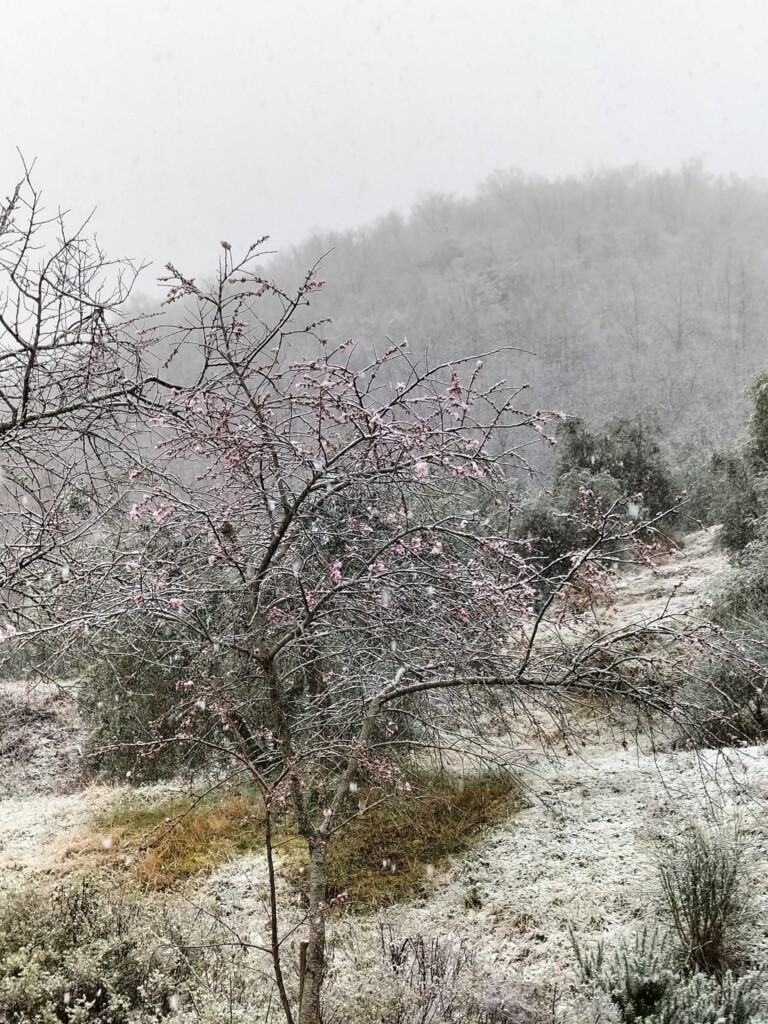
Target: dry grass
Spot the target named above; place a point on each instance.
(167, 843)
(384, 856)
(380, 857)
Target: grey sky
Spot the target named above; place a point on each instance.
(189, 121)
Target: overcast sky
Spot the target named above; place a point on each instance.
(189, 121)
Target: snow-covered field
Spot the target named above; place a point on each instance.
(581, 855)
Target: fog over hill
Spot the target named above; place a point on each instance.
(634, 291)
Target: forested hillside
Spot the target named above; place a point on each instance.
(636, 291)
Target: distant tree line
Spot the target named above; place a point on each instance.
(636, 291)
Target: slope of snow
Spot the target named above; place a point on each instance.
(581, 855)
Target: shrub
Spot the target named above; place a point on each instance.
(615, 468)
(704, 880)
(744, 474)
(555, 526)
(549, 535)
(640, 980)
(725, 704)
(627, 451)
(741, 595)
(87, 952)
(740, 504)
(132, 700)
(81, 952)
(700, 481)
(636, 977)
(757, 392)
(437, 980)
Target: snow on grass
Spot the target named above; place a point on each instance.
(28, 825)
(582, 855)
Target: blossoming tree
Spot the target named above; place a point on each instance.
(323, 566)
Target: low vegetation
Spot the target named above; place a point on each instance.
(385, 855)
(640, 981)
(697, 971)
(166, 843)
(85, 951)
(705, 885)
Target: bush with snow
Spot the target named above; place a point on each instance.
(641, 984)
(419, 979)
(705, 885)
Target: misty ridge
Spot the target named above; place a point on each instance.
(626, 291)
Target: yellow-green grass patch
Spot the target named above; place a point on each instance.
(382, 855)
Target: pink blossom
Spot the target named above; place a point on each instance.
(421, 469)
(135, 514)
(437, 548)
(334, 573)
(131, 566)
(162, 514)
(7, 633)
(377, 568)
(463, 615)
(415, 546)
(176, 603)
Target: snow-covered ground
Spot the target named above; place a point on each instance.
(675, 585)
(581, 855)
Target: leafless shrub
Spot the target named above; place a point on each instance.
(437, 983)
(704, 884)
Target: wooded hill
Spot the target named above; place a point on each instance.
(637, 291)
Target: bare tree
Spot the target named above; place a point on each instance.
(72, 377)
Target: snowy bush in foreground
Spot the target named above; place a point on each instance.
(704, 880)
(419, 979)
(85, 952)
(642, 986)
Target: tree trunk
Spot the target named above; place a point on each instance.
(309, 1011)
